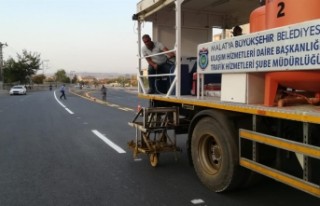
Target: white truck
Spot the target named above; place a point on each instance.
(249, 104)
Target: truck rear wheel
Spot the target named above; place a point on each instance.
(214, 154)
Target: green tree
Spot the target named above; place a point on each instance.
(61, 76)
(38, 79)
(67, 80)
(26, 65)
(74, 79)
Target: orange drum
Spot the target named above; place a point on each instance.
(258, 19)
(299, 80)
(280, 13)
(284, 12)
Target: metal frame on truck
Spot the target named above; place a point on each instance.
(234, 134)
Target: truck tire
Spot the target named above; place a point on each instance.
(215, 155)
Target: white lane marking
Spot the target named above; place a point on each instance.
(55, 96)
(68, 110)
(197, 201)
(125, 109)
(108, 142)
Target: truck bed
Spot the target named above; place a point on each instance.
(305, 112)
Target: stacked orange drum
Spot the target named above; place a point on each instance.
(277, 13)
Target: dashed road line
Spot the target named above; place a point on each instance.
(108, 142)
(197, 201)
(96, 132)
(125, 109)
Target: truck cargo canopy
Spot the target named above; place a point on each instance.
(233, 11)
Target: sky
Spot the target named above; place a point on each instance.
(74, 35)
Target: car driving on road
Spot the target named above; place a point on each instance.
(18, 89)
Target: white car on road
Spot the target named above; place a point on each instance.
(18, 89)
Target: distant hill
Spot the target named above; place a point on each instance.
(99, 75)
(102, 75)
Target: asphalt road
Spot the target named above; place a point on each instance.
(74, 152)
(124, 97)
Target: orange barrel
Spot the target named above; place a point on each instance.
(284, 12)
(258, 19)
(298, 80)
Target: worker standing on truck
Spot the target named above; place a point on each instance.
(158, 63)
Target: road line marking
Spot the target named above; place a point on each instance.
(68, 110)
(197, 201)
(125, 109)
(90, 98)
(108, 142)
(55, 96)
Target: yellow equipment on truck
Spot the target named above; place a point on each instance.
(249, 103)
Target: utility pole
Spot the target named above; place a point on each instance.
(71, 75)
(1, 60)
